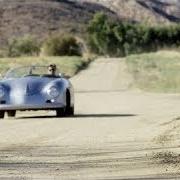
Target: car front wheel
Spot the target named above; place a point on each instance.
(69, 111)
(60, 112)
(11, 113)
(2, 114)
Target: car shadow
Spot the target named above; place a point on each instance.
(103, 115)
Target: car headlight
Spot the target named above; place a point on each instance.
(53, 92)
(2, 92)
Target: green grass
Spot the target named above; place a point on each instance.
(67, 65)
(157, 72)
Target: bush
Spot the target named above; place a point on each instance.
(106, 37)
(61, 45)
(25, 46)
(101, 36)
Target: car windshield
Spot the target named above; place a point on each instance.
(29, 71)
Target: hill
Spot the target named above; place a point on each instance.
(44, 17)
(148, 11)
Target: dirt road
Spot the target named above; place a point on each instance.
(117, 133)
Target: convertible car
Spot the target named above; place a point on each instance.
(32, 88)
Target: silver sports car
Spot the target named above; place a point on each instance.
(32, 88)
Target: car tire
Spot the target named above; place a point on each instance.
(60, 112)
(2, 114)
(11, 113)
(69, 111)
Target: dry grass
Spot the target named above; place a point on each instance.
(67, 65)
(158, 72)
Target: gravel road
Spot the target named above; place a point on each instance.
(115, 133)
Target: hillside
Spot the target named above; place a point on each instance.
(148, 11)
(43, 17)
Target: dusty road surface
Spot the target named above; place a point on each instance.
(118, 132)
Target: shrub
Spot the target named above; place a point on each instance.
(106, 37)
(101, 36)
(25, 46)
(61, 45)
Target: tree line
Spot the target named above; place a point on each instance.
(107, 37)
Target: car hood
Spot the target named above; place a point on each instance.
(26, 85)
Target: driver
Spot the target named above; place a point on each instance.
(52, 69)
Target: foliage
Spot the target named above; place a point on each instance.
(61, 45)
(106, 37)
(25, 46)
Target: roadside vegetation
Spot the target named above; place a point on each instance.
(114, 38)
(61, 45)
(67, 65)
(53, 45)
(61, 49)
(25, 46)
(157, 72)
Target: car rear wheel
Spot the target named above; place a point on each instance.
(11, 113)
(2, 114)
(69, 111)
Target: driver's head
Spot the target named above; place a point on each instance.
(52, 69)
